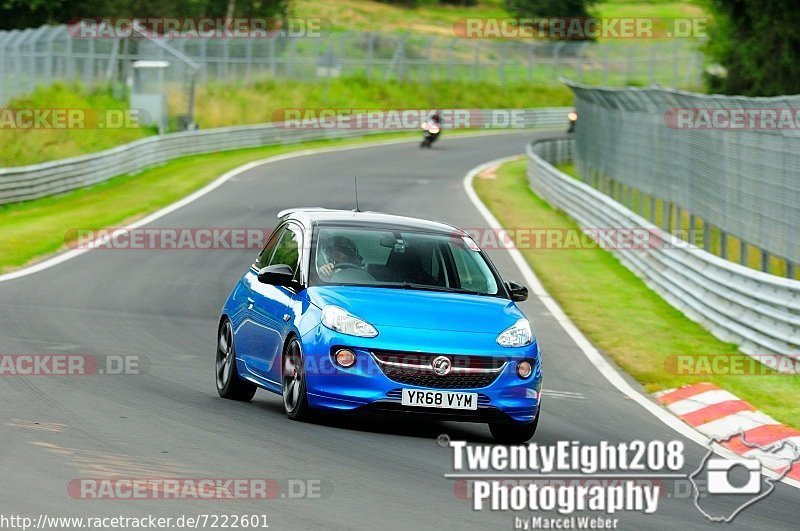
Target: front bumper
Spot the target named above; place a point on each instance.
(365, 387)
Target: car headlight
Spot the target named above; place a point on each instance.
(341, 321)
(517, 335)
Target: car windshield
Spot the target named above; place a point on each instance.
(400, 259)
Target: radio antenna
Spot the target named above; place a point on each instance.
(355, 184)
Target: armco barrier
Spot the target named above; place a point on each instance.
(757, 311)
(731, 161)
(39, 180)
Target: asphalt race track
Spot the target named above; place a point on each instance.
(163, 305)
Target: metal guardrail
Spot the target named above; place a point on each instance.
(40, 180)
(691, 152)
(757, 311)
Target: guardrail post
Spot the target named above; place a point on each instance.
(765, 261)
(2, 72)
(743, 252)
(652, 212)
(706, 236)
(273, 68)
(556, 56)
(501, 66)
(88, 64)
(723, 244)
(530, 62)
(790, 270)
(292, 66)
(692, 227)
(370, 53)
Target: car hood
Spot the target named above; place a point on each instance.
(429, 310)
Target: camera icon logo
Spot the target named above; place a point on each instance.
(720, 480)
(724, 487)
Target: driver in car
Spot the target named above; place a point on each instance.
(341, 253)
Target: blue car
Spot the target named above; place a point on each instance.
(365, 312)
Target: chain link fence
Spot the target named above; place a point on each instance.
(33, 57)
(757, 311)
(724, 170)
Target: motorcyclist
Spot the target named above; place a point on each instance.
(340, 252)
(432, 127)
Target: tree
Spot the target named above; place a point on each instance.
(549, 8)
(33, 13)
(544, 13)
(758, 44)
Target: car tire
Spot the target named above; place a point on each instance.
(293, 382)
(229, 384)
(516, 433)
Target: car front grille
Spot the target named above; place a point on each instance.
(413, 368)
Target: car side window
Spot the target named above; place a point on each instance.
(288, 249)
(266, 253)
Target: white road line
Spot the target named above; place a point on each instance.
(563, 394)
(68, 255)
(594, 356)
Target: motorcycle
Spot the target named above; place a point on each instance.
(430, 132)
(573, 119)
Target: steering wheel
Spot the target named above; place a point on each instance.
(344, 265)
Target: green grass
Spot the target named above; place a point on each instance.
(617, 311)
(434, 18)
(34, 229)
(29, 146)
(220, 105)
(368, 15)
(650, 8)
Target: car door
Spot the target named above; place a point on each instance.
(247, 327)
(269, 307)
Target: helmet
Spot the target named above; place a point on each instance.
(342, 245)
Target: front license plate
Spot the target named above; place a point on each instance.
(443, 399)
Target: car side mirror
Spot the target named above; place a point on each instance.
(518, 292)
(277, 275)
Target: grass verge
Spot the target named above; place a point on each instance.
(617, 311)
(34, 229)
(220, 104)
(432, 17)
(30, 146)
